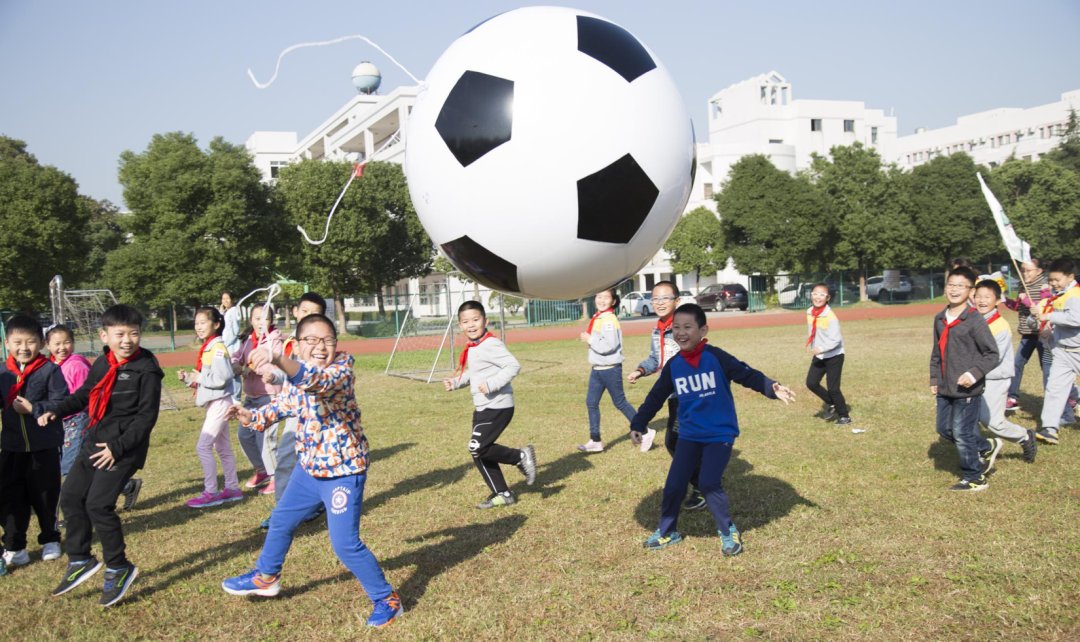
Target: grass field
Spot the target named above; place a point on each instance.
(848, 536)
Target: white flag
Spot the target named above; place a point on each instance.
(1019, 250)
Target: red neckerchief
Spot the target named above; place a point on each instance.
(663, 326)
(693, 356)
(205, 345)
(471, 344)
(52, 357)
(595, 317)
(287, 350)
(994, 317)
(21, 375)
(102, 390)
(1048, 303)
(815, 312)
(943, 340)
(255, 336)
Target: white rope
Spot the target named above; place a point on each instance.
(272, 291)
(323, 43)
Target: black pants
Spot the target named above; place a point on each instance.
(488, 425)
(831, 369)
(30, 482)
(88, 500)
(671, 437)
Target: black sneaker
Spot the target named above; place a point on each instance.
(694, 501)
(117, 584)
(527, 465)
(843, 421)
(827, 412)
(1030, 447)
(1049, 435)
(131, 493)
(971, 486)
(498, 499)
(76, 574)
(991, 455)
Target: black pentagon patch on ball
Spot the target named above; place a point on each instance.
(614, 202)
(483, 265)
(614, 46)
(477, 115)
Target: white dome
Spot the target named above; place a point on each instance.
(366, 78)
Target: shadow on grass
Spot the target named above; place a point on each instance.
(754, 501)
(456, 545)
(944, 456)
(424, 481)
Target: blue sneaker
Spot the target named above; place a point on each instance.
(117, 583)
(386, 611)
(265, 524)
(732, 541)
(253, 583)
(658, 540)
(3, 566)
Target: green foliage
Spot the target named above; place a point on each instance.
(771, 221)
(104, 234)
(1042, 200)
(201, 222)
(1067, 154)
(696, 243)
(42, 227)
(510, 302)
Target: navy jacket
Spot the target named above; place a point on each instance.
(132, 410)
(706, 407)
(44, 388)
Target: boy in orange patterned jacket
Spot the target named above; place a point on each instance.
(332, 461)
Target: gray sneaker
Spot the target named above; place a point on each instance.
(117, 583)
(527, 465)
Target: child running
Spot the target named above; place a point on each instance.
(122, 393)
(332, 470)
(1062, 316)
(259, 385)
(998, 381)
(29, 454)
(604, 338)
(826, 345)
(487, 367)
(213, 383)
(700, 376)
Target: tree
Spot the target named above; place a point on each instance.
(696, 243)
(771, 221)
(201, 222)
(104, 234)
(873, 230)
(949, 213)
(1043, 202)
(375, 238)
(42, 227)
(1067, 154)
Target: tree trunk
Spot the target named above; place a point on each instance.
(174, 326)
(339, 303)
(288, 314)
(382, 304)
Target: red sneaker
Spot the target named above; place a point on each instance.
(269, 488)
(258, 479)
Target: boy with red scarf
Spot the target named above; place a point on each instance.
(123, 394)
(700, 376)
(964, 351)
(604, 338)
(31, 386)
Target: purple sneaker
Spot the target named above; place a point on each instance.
(229, 495)
(205, 500)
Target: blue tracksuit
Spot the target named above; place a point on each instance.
(708, 426)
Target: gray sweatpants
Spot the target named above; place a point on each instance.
(286, 455)
(992, 411)
(1059, 385)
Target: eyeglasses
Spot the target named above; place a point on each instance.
(329, 342)
(957, 286)
(663, 299)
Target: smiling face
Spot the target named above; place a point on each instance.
(664, 299)
(985, 300)
(603, 300)
(258, 320)
(957, 289)
(305, 308)
(61, 345)
(205, 326)
(472, 323)
(318, 341)
(686, 331)
(819, 296)
(226, 300)
(123, 340)
(1059, 280)
(24, 346)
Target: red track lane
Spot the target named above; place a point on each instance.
(635, 327)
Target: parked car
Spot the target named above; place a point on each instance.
(722, 296)
(877, 289)
(637, 302)
(797, 295)
(686, 297)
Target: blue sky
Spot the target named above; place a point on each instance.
(81, 82)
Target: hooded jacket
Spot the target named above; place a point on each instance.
(44, 389)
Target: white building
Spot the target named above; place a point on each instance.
(991, 137)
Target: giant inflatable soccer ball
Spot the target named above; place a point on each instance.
(550, 154)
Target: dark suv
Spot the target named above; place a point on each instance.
(720, 297)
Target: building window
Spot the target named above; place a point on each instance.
(708, 190)
(275, 168)
(849, 126)
(717, 109)
(815, 124)
(873, 135)
(764, 95)
(776, 141)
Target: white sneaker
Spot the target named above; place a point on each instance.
(592, 447)
(647, 439)
(16, 558)
(51, 552)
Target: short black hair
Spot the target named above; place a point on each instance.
(1064, 266)
(964, 271)
(217, 320)
(822, 284)
(58, 329)
(315, 318)
(959, 262)
(694, 309)
(990, 284)
(669, 284)
(472, 305)
(311, 297)
(24, 323)
(121, 314)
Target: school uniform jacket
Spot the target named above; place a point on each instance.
(970, 348)
(132, 409)
(1002, 332)
(45, 388)
(706, 407)
(827, 337)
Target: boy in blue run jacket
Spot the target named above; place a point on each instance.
(700, 376)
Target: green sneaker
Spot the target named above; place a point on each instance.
(732, 541)
(498, 499)
(659, 540)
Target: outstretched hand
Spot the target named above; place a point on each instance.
(240, 413)
(783, 393)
